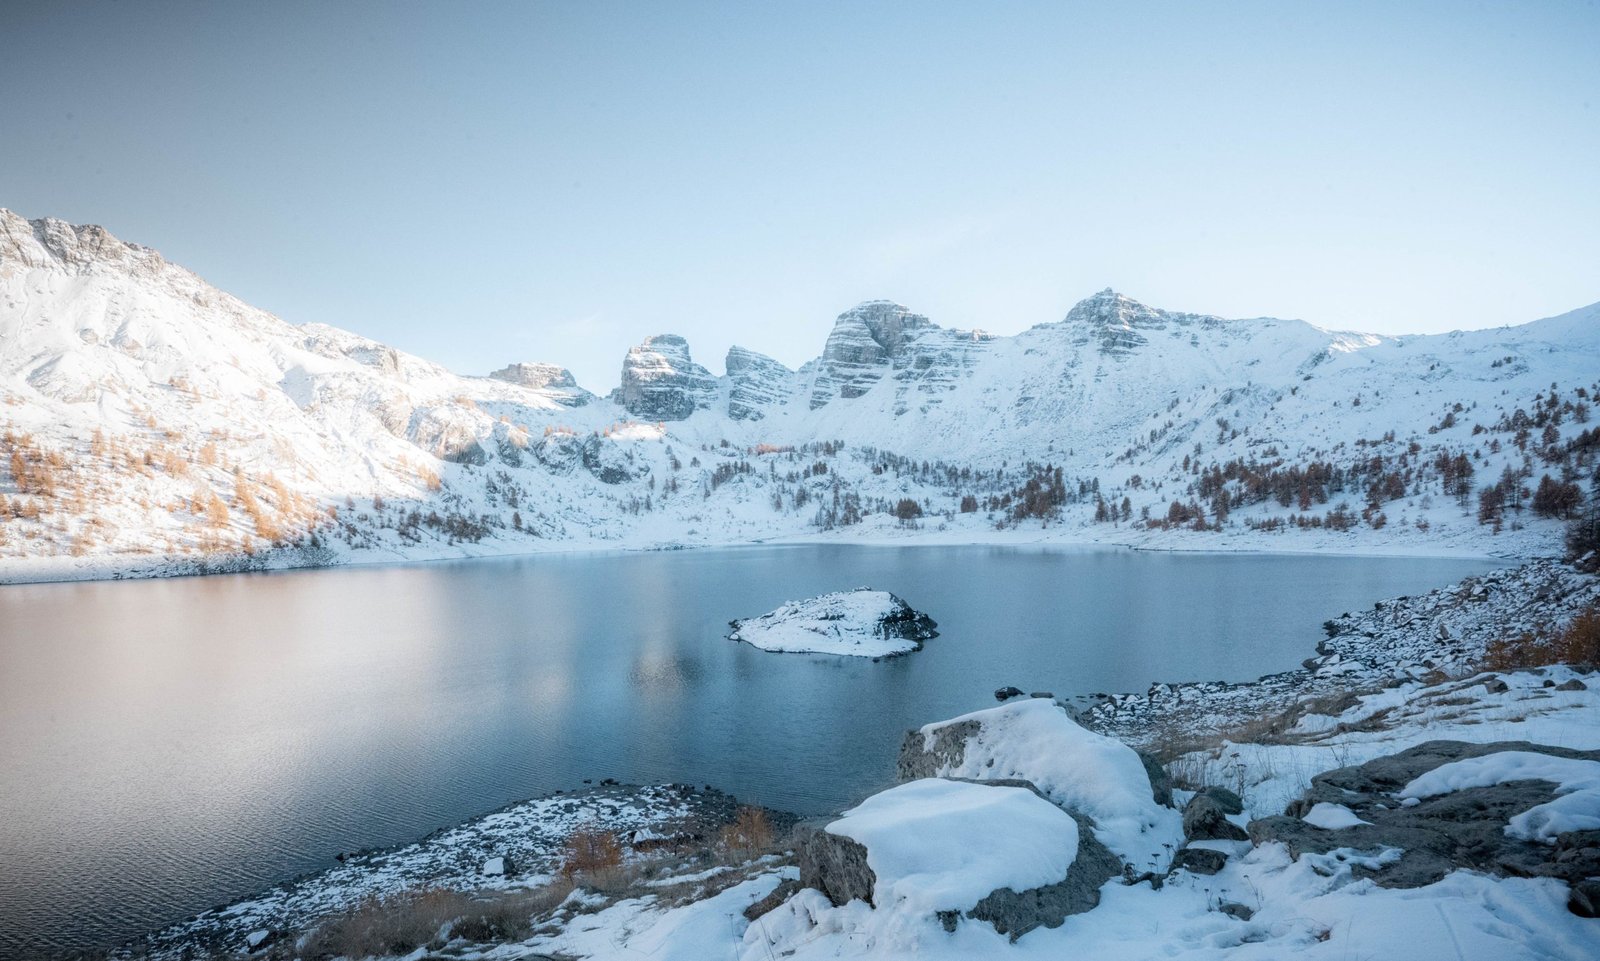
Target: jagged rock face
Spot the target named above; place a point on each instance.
(863, 343)
(1121, 325)
(660, 381)
(879, 338)
(553, 380)
(755, 383)
(57, 244)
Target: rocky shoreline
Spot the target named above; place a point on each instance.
(1444, 631)
(518, 846)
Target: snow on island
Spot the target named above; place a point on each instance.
(862, 623)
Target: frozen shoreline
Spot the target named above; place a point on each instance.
(57, 569)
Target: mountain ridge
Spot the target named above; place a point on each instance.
(174, 420)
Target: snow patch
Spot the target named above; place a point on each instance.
(938, 845)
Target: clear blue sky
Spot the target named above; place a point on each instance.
(482, 183)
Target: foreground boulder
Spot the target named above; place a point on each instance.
(994, 852)
(1102, 781)
(1509, 808)
(862, 623)
(1205, 818)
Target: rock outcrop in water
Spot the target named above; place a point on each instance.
(860, 623)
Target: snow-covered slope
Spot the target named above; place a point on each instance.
(148, 418)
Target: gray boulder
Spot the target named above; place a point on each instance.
(1199, 860)
(1160, 780)
(837, 866)
(834, 865)
(1585, 898)
(1230, 802)
(1205, 819)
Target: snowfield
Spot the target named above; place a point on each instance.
(859, 623)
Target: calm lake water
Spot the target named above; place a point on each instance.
(169, 745)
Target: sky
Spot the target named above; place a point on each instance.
(483, 183)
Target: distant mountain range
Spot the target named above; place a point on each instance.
(153, 423)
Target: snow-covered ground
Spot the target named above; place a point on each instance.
(858, 623)
(152, 424)
(1263, 904)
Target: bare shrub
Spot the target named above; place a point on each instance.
(593, 854)
(748, 835)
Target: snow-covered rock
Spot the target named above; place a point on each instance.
(861, 623)
(755, 383)
(555, 381)
(660, 381)
(1576, 806)
(1508, 808)
(999, 853)
(1035, 740)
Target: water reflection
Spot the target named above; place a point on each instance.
(168, 745)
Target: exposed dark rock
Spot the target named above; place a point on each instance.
(783, 892)
(878, 340)
(1226, 799)
(1016, 913)
(1199, 860)
(1234, 909)
(1585, 898)
(1572, 685)
(1007, 693)
(1160, 780)
(946, 750)
(833, 864)
(1205, 819)
(1462, 829)
(1043, 695)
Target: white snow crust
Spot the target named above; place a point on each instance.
(939, 845)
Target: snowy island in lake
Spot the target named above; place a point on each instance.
(862, 622)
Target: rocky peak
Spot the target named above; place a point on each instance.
(548, 378)
(864, 342)
(886, 326)
(51, 243)
(1119, 324)
(660, 381)
(755, 383)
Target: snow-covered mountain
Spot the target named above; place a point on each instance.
(148, 418)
